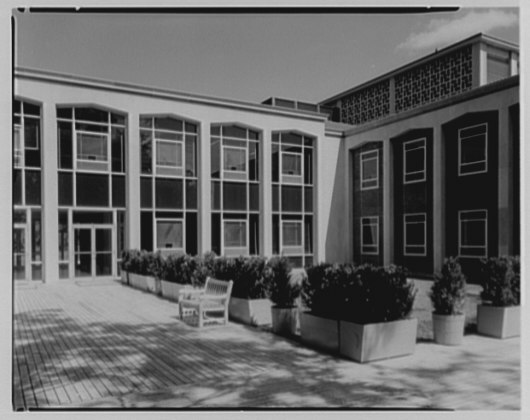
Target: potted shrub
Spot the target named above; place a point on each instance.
(448, 297)
(248, 302)
(499, 315)
(140, 274)
(282, 289)
(125, 266)
(321, 290)
(181, 272)
(374, 314)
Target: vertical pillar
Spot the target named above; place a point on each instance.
(205, 186)
(514, 63)
(132, 232)
(438, 211)
(388, 200)
(266, 194)
(480, 64)
(50, 215)
(505, 180)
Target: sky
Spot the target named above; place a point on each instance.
(308, 57)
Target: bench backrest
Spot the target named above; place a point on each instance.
(216, 287)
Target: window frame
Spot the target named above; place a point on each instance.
(485, 246)
(298, 247)
(234, 171)
(293, 179)
(18, 152)
(90, 133)
(176, 143)
(166, 220)
(376, 224)
(223, 229)
(362, 163)
(485, 161)
(424, 245)
(423, 146)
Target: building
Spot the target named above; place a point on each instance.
(410, 167)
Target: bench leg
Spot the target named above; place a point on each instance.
(201, 322)
(180, 312)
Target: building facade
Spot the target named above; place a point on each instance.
(411, 167)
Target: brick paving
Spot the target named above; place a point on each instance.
(110, 346)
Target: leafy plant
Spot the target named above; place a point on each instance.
(247, 274)
(448, 292)
(377, 294)
(322, 288)
(282, 287)
(501, 282)
(137, 262)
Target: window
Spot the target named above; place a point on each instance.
(92, 147)
(235, 233)
(234, 159)
(169, 234)
(415, 234)
(473, 233)
(291, 167)
(168, 154)
(370, 235)
(414, 161)
(292, 233)
(370, 170)
(473, 150)
(18, 151)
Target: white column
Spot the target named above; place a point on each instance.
(204, 193)
(266, 194)
(388, 200)
(438, 212)
(50, 215)
(133, 167)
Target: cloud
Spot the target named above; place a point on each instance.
(440, 32)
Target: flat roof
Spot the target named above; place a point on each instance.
(129, 88)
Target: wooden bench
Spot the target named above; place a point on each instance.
(213, 298)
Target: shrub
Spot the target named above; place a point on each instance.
(138, 262)
(377, 294)
(157, 262)
(448, 292)
(247, 273)
(322, 288)
(282, 288)
(501, 281)
(126, 260)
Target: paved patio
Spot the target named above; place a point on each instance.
(108, 345)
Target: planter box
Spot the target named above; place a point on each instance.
(383, 340)
(250, 311)
(499, 321)
(171, 290)
(322, 333)
(284, 320)
(448, 329)
(124, 277)
(147, 283)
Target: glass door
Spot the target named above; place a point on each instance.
(20, 258)
(93, 251)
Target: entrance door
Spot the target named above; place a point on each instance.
(20, 257)
(93, 251)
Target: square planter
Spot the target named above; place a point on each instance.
(319, 332)
(382, 340)
(284, 320)
(250, 311)
(499, 321)
(147, 283)
(124, 277)
(171, 290)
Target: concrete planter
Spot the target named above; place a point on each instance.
(383, 340)
(499, 321)
(448, 329)
(171, 290)
(250, 311)
(124, 277)
(284, 320)
(319, 332)
(147, 283)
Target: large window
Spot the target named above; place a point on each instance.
(473, 150)
(370, 235)
(473, 233)
(415, 234)
(168, 184)
(292, 196)
(235, 189)
(414, 161)
(369, 170)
